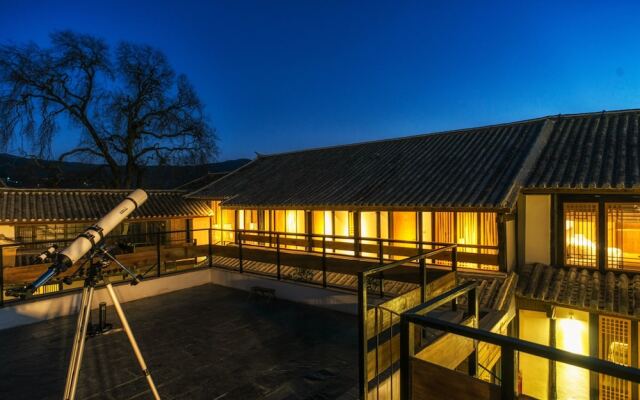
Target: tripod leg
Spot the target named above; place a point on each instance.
(76, 337)
(132, 340)
(79, 341)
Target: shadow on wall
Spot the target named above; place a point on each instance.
(38, 310)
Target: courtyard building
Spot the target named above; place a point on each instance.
(543, 215)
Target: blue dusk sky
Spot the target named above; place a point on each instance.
(284, 75)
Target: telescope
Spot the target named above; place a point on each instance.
(91, 241)
(82, 244)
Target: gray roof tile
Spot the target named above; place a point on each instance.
(460, 169)
(48, 205)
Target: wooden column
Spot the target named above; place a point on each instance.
(602, 238)
(308, 226)
(502, 242)
(356, 234)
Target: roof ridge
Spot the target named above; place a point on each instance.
(87, 190)
(452, 131)
(193, 194)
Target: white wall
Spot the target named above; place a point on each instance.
(59, 306)
(334, 299)
(537, 239)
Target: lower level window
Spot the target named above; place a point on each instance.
(615, 346)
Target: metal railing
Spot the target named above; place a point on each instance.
(151, 252)
(508, 345)
(382, 249)
(363, 306)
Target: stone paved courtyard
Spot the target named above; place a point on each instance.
(207, 342)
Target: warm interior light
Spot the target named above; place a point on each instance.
(241, 219)
(573, 336)
(328, 223)
(291, 221)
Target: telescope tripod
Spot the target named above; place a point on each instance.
(94, 276)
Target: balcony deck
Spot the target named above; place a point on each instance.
(207, 342)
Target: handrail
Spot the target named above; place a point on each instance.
(361, 238)
(508, 345)
(443, 298)
(394, 264)
(363, 350)
(578, 360)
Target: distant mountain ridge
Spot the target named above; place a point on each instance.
(23, 172)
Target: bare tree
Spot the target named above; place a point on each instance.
(131, 107)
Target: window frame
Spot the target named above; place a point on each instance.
(601, 239)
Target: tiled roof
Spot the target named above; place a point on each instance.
(598, 150)
(480, 168)
(201, 181)
(474, 168)
(35, 205)
(617, 293)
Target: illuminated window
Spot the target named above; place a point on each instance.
(217, 221)
(295, 221)
(444, 227)
(228, 222)
(322, 223)
(249, 220)
(471, 231)
(279, 220)
(404, 227)
(369, 229)
(488, 235)
(426, 226)
(623, 235)
(581, 234)
(343, 226)
(615, 346)
(467, 233)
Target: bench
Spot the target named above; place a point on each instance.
(267, 293)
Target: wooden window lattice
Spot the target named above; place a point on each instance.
(614, 346)
(581, 234)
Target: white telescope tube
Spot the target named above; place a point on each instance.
(85, 241)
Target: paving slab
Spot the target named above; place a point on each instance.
(206, 342)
